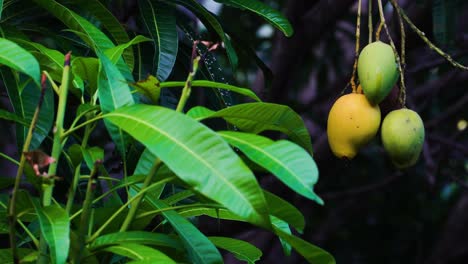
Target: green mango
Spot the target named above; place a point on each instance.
(377, 71)
(403, 137)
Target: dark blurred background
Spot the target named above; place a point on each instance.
(373, 212)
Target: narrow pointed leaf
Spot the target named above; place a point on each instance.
(150, 87)
(211, 22)
(259, 117)
(55, 227)
(140, 252)
(7, 115)
(215, 85)
(95, 38)
(113, 26)
(271, 15)
(160, 22)
(285, 211)
(198, 156)
(19, 59)
(114, 93)
(114, 53)
(200, 250)
(311, 253)
(283, 226)
(242, 250)
(137, 237)
(286, 160)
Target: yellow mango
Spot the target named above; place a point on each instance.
(352, 123)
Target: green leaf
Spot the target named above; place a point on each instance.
(211, 22)
(198, 156)
(87, 69)
(242, 250)
(311, 253)
(1, 8)
(19, 59)
(215, 85)
(24, 97)
(150, 87)
(85, 30)
(200, 250)
(286, 160)
(285, 211)
(114, 53)
(136, 237)
(114, 93)
(211, 212)
(91, 155)
(259, 117)
(282, 225)
(271, 15)
(7, 258)
(139, 252)
(112, 25)
(7, 115)
(159, 19)
(55, 227)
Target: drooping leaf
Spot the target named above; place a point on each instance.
(87, 69)
(242, 250)
(7, 115)
(137, 237)
(91, 155)
(112, 25)
(55, 227)
(114, 53)
(285, 211)
(211, 212)
(283, 226)
(211, 22)
(139, 252)
(311, 253)
(259, 117)
(198, 156)
(215, 85)
(150, 87)
(24, 98)
(114, 93)
(199, 248)
(271, 15)
(19, 59)
(95, 38)
(160, 22)
(7, 258)
(286, 160)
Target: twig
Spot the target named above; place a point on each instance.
(431, 45)
(392, 44)
(356, 54)
(402, 96)
(12, 217)
(369, 22)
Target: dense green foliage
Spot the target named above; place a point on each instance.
(114, 90)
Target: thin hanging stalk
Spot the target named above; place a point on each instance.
(402, 95)
(392, 44)
(356, 54)
(369, 22)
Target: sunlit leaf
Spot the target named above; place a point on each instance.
(19, 59)
(198, 156)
